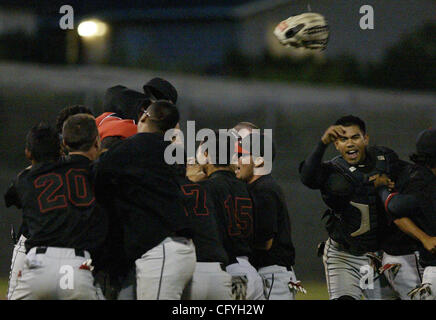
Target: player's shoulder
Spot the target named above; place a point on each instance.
(420, 173)
(383, 153)
(418, 179)
(23, 173)
(265, 183)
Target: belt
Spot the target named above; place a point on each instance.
(78, 252)
(346, 248)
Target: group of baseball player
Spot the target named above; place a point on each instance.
(105, 216)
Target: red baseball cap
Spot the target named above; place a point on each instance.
(113, 126)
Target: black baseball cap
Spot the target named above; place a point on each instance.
(161, 89)
(122, 101)
(426, 142)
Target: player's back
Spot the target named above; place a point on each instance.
(199, 206)
(135, 180)
(59, 206)
(422, 184)
(394, 241)
(234, 211)
(282, 252)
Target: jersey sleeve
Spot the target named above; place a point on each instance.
(312, 171)
(11, 196)
(399, 205)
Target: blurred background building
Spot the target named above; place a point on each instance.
(227, 66)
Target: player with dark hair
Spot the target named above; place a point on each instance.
(413, 209)
(356, 219)
(234, 211)
(135, 181)
(210, 281)
(42, 145)
(70, 111)
(274, 253)
(65, 228)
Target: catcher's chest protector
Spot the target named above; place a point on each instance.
(358, 214)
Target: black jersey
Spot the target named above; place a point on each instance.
(12, 198)
(396, 242)
(133, 179)
(234, 212)
(271, 221)
(59, 207)
(199, 207)
(422, 186)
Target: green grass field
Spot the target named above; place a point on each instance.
(315, 291)
(3, 288)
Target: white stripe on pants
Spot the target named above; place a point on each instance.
(276, 282)
(409, 275)
(17, 264)
(164, 271)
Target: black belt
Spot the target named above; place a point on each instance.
(78, 252)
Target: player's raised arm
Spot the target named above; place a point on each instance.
(311, 171)
(410, 228)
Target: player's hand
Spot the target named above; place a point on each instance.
(382, 180)
(195, 172)
(430, 244)
(331, 134)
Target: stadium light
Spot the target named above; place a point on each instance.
(92, 28)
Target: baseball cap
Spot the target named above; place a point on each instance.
(161, 89)
(110, 126)
(426, 142)
(122, 101)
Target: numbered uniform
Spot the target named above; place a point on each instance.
(65, 230)
(210, 280)
(156, 237)
(275, 265)
(418, 202)
(234, 213)
(356, 221)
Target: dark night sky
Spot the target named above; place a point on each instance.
(49, 7)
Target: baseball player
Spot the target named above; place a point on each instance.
(68, 111)
(400, 261)
(356, 218)
(210, 281)
(133, 178)
(274, 253)
(64, 226)
(19, 252)
(413, 209)
(234, 211)
(41, 146)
